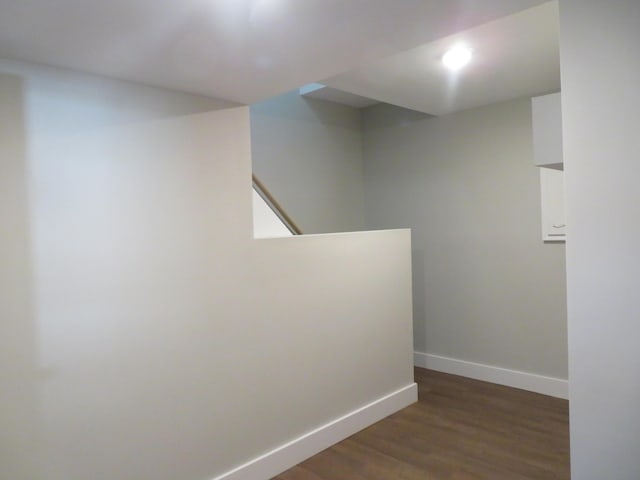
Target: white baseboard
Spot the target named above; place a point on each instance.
(555, 387)
(286, 456)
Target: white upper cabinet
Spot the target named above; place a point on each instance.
(546, 114)
(547, 130)
(554, 228)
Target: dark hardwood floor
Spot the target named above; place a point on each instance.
(460, 429)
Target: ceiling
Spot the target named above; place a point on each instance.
(513, 56)
(321, 91)
(239, 50)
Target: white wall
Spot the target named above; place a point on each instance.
(266, 224)
(600, 102)
(486, 289)
(309, 155)
(19, 407)
(139, 340)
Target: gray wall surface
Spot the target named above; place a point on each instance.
(600, 76)
(309, 155)
(486, 288)
(144, 333)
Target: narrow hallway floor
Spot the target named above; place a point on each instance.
(460, 429)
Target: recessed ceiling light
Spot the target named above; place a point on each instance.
(456, 57)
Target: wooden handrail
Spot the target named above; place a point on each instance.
(266, 195)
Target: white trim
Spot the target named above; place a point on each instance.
(555, 387)
(290, 454)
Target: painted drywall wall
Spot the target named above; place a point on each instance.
(486, 289)
(19, 407)
(600, 106)
(144, 333)
(266, 224)
(309, 155)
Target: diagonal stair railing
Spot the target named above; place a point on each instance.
(270, 200)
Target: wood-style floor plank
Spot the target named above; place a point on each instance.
(460, 429)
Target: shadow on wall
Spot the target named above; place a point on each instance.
(20, 419)
(419, 301)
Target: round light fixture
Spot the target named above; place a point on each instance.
(457, 57)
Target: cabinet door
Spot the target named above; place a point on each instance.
(546, 114)
(552, 202)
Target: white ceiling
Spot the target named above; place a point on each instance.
(329, 94)
(240, 50)
(513, 56)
